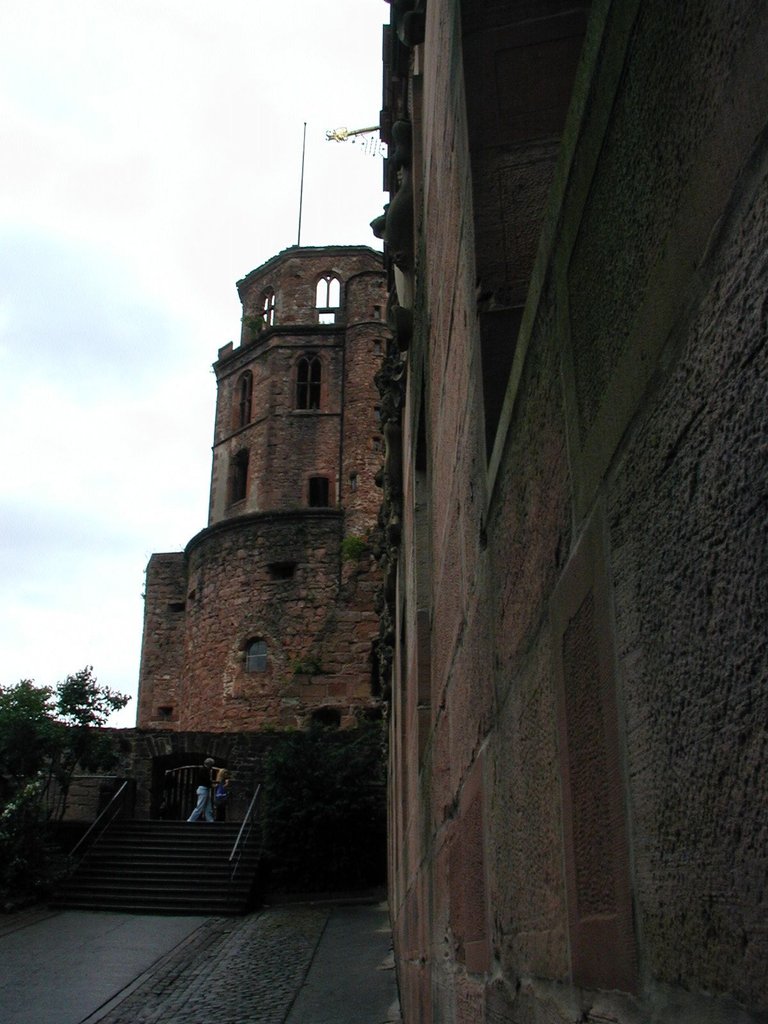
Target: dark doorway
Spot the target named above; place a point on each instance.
(174, 785)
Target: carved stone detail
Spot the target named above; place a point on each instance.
(390, 382)
(395, 225)
(409, 20)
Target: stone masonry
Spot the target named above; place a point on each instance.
(576, 485)
(267, 618)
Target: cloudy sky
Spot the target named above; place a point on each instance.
(150, 156)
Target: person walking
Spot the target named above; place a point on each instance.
(220, 794)
(204, 802)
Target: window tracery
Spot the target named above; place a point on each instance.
(244, 399)
(309, 376)
(327, 298)
(268, 307)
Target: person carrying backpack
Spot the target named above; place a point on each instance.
(204, 780)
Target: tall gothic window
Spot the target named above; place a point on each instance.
(244, 399)
(327, 298)
(268, 307)
(239, 480)
(309, 373)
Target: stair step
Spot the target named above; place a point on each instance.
(182, 908)
(149, 892)
(155, 853)
(164, 867)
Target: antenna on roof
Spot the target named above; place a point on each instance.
(301, 187)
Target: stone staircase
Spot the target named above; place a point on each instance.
(163, 867)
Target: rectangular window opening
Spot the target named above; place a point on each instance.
(318, 492)
(282, 570)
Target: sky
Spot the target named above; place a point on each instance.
(150, 157)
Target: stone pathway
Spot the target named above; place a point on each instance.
(253, 971)
(229, 971)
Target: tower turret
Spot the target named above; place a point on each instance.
(264, 619)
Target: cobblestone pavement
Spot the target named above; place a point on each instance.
(230, 971)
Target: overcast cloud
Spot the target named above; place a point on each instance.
(150, 157)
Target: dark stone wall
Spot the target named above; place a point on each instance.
(162, 652)
(578, 800)
(144, 756)
(689, 553)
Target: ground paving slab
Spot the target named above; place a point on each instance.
(60, 967)
(301, 964)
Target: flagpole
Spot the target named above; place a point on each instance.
(301, 189)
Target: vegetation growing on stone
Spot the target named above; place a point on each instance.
(325, 809)
(353, 548)
(307, 666)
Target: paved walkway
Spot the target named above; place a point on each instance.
(283, 965)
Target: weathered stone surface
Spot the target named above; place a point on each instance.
(577, 607)
(690, 543)
(270, 566)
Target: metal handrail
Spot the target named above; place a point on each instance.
(247, 820)
(117, 797)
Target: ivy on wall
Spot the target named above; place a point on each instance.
(325, 810)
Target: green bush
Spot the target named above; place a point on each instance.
(353, 548)
(46, 735)
(255, 324)
(309, 666)
(325, 810)
(30, 862)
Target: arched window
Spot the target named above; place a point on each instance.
(268, 307)
(319, 492)
(256, 655)
(244, 399)
(238, 487)
(309, 373)
(327, 298)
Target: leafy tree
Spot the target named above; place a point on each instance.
(50, 733)
(82, 708)
(81, 702)
(28, 731)
(46, 734)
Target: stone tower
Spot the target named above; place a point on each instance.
(267, 617)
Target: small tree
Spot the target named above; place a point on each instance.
(82, 707)
(28, 732)
(45, 736)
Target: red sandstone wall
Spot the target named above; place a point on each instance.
(293, 275)
(315, 616)
(577, 800)
(162, 658)
(226, 588)
(362, 440)
(288, 445)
